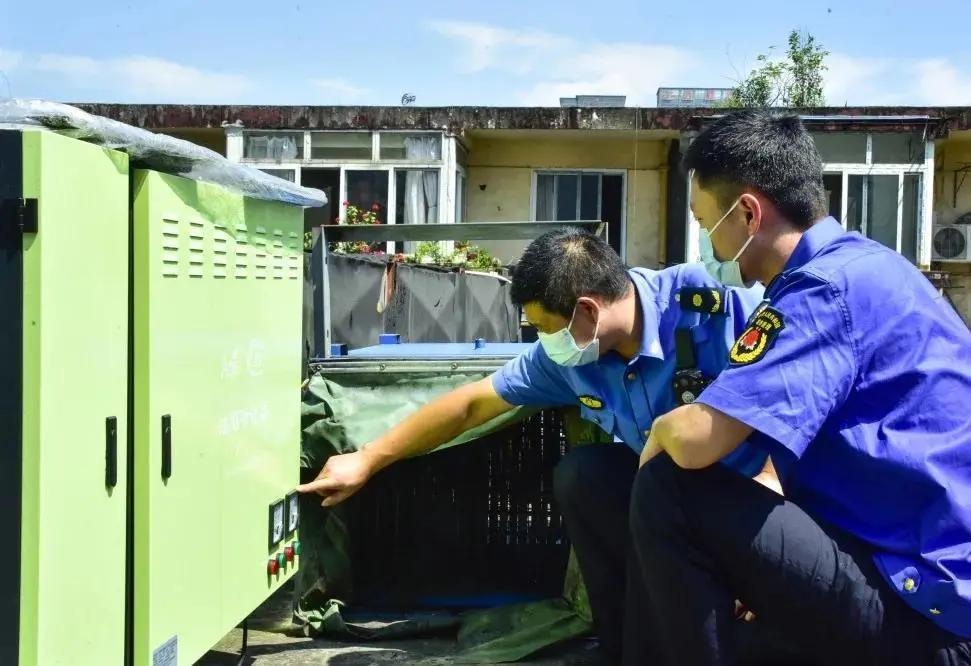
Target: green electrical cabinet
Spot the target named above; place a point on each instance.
(149, 406)
(217, 329)
(63, 399)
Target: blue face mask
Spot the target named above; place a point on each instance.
(563, 350)
(729, 273)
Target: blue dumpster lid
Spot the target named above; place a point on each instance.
(442, 350)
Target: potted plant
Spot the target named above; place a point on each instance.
(359, 215)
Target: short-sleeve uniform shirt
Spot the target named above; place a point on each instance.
(624, 397)
(856, 373)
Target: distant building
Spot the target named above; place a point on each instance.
(593, 101)
(900, 179)
(692, 97)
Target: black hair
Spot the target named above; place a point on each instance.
(767, 150)
(561, 266)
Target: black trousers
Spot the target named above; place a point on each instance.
(704, 538)
(592, 485)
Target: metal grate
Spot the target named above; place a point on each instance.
(170, 247)
(295, 256)
(467, 526)
(261, 261)
(197, 248)
(220, 250)
(261, 256)
(278, 254)
(242, 252)
(950, 243)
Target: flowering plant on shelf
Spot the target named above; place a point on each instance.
(359, 215)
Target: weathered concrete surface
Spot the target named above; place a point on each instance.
(458, 119)
(274, 642)
(272, 649)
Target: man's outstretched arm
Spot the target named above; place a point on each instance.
(431, 426)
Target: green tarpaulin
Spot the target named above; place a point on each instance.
(342, 412)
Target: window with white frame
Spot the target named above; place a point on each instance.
(400, 175)
(367, 189)
(461, 181)
(571, 195)
(461, 194)
(411, 147)
(273, 146)
(340, 146)
(568, 196)
(879, 184)
(416, 195)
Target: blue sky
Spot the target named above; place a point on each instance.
(500, 53)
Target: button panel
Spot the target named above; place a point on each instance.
(284, 519)
(277, 523)
(293, 512)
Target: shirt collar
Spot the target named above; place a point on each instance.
(813, 240)
(650, 336)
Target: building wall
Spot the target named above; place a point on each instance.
(949, 204)
(646, 217)
(501, 169)
(499, 194)
(213, 138)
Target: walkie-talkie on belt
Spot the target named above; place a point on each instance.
(689, 381)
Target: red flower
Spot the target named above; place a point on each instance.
(377, 221)
(375, 207)
(347, 203)
(337, 220)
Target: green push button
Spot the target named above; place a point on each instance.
(281, 560)
(296, 547)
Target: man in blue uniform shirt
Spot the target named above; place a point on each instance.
(856, 376)
(622, 345)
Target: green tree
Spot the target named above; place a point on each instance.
(794, 81)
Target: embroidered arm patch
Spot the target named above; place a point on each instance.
(757, 338)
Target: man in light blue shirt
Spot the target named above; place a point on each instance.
(625, 346)
(625, 387)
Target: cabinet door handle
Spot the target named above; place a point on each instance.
(111, 451)
(166, 446)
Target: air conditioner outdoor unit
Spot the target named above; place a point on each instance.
(951, 242)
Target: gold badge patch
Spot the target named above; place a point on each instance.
(758, 337)
(591, 402)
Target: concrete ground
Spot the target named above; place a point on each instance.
(273, 642)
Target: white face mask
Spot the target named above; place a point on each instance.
(729, 273)
(563, 350)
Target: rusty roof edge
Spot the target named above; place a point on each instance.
(457, 119)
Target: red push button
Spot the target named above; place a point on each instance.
(273, 567)
(289, 553)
